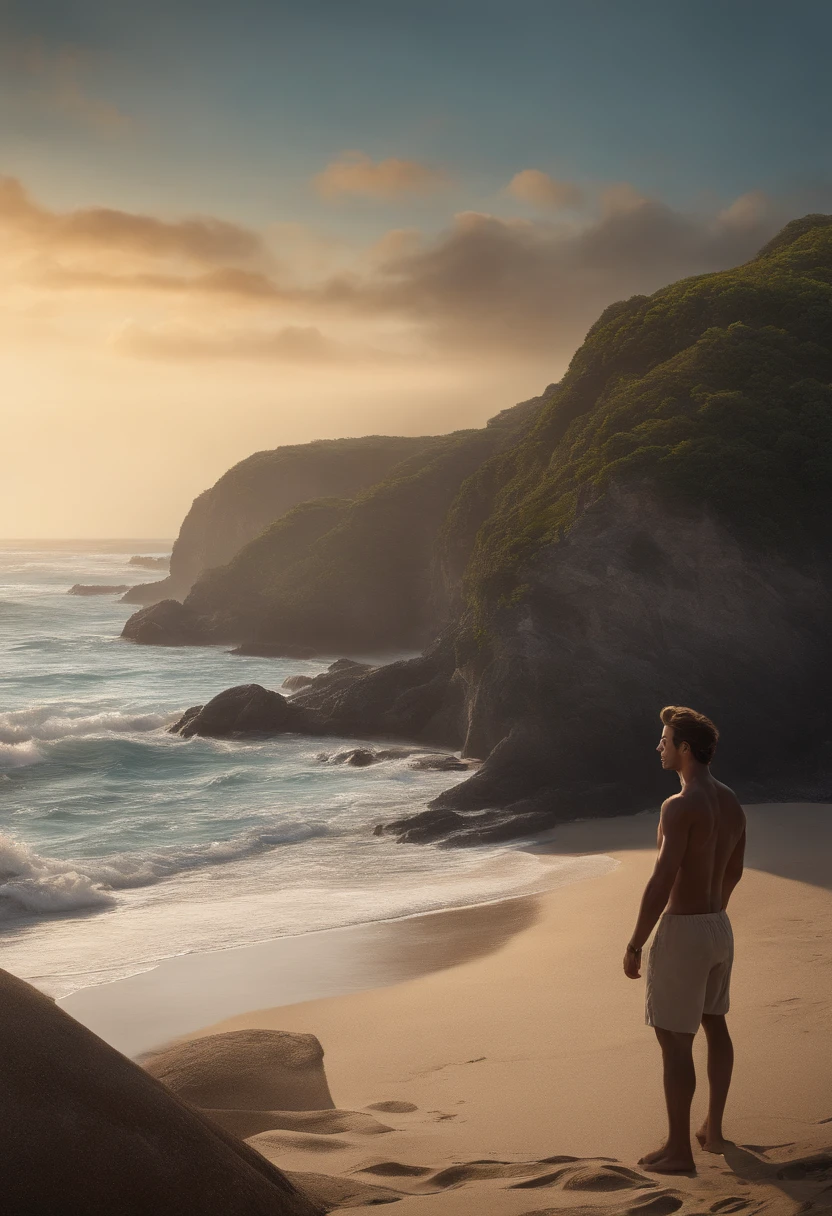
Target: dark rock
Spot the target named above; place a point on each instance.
(359, 757)
(444, 763)
(150, 563)
(167, 623)
(95, 589)
(275, 650)
(150, 593)
(414, 699)
(245, 710)
(294, 682)
(181, 727)
(424, 827)
(87, 1132)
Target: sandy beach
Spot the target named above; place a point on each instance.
(529, 1067)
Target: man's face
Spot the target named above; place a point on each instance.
(671, 756)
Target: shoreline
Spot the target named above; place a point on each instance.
(539, 1047)
(170, 998)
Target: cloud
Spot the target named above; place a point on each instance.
(55, 83)
(495, 285)
(538, 188)
(199, 239)
(289, 344)
(354, 173)
(486, 287)
(228, 281)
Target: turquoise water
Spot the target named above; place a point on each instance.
(122, 844)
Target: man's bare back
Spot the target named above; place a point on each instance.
(710, 817)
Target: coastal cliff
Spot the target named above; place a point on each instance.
(260, 489)
(655, 532)
(339, 573)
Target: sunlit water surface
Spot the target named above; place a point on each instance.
(122, 844)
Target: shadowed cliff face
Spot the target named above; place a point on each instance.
(634, 609)
(653, 531)
(345, 574)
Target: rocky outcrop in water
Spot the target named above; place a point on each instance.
(150, 563)
(167, 623)
(95, 589)
(248, 709)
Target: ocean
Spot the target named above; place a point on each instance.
(122, 845)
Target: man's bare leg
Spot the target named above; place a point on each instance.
(720, 1067)
(675, 1156)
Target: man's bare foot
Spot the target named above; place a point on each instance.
(672, 1165)
(656, 1155)
(711, 1144)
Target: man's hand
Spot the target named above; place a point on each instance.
(632, 963)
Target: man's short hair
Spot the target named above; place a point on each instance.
(692, 728)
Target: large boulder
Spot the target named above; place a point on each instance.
(86, 1132)
(246, 709)
(246, 1070)
(167, 623)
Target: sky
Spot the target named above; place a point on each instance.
(226, 227)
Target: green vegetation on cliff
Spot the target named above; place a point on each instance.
(714, 391)
(352, 574)
(260, 489)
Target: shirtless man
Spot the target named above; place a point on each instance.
(701, 843)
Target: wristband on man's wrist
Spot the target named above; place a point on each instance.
(633, 949)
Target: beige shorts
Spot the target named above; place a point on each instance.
(688, 970)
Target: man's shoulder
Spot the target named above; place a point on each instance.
(677, 806)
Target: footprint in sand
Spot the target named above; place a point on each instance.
(766, 1148)
(429, 1181)
(590, 1178)
(818, 1167)
(731, 1203)
(393, 1108)
(660, 1204)
(246, 1123)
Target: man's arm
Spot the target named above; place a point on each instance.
(733, 870)
(675, 825)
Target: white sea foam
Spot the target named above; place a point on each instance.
(42, 722)
(17, 755)
(44, 884)
(52, 884)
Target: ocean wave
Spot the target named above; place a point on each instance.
(16, 755)
(33, 883)
(43, 723)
